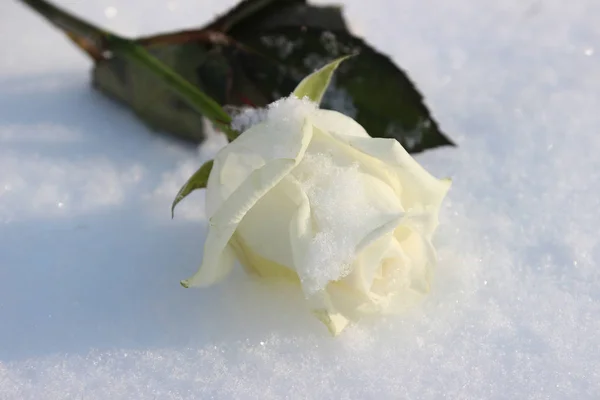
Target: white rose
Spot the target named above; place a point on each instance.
(308, 195)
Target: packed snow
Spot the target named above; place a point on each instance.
(90, 261)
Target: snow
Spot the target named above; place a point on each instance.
(90, 305)
(281, 114)
(332, 249)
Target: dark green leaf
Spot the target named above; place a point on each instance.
(152, 100)
(196, 181)
(367, 87)
(256, 53)
(273, 14)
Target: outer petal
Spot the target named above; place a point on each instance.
(348, 299)
(421, 194)
(265, 229)
(255, 263)
(333, 320)
(280, 153)
(403, 262)
(345, 206)
(419, 258)
(252, 150)
(335, 122)
(424, 188)
(369, 260)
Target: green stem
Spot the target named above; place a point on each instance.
(194, 96)
(105, 41)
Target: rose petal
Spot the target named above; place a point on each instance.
(223, 223)
(330, 121)
(419, 191)
(270, 219)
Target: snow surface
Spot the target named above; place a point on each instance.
(90, 305)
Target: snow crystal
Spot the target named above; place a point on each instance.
(246, 117)
(281, 112)
(290, 109)
(342, 207)
(329, 191)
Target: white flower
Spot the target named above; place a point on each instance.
(308, 195)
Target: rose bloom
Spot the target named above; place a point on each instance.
(307, 195)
